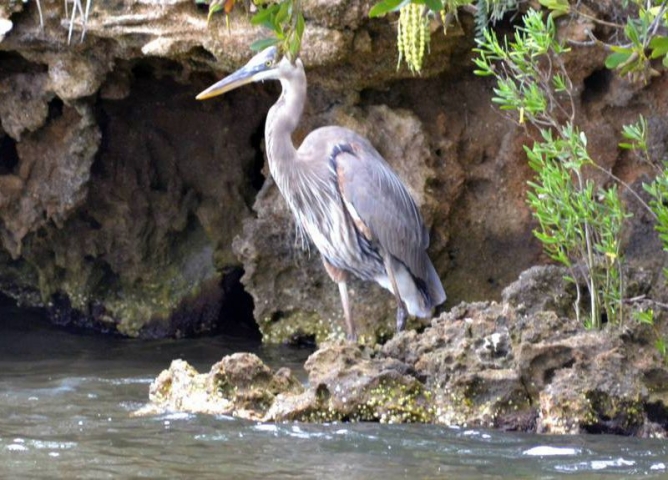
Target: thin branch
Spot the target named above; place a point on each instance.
(643, 298)
(627, 187)
(598, 20)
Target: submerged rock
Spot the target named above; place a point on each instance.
(484, 364)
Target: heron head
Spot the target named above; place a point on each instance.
(263, 66)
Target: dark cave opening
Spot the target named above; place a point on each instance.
(255, 174)
(596, 85)
(13, 62)
(6, 301)
(199, 58)
(236, 313)
(154, 69)
(162, 153)
(221, 309)
(657, 412)
(55, 109)
(197, 150)
(9, 157)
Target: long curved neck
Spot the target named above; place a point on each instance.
(282, 120)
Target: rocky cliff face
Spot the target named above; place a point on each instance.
(127, 206)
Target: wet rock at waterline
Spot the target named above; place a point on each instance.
(485, 364)
(240, 385)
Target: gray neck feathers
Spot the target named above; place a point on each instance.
(282, 120)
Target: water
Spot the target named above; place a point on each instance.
(66, 399)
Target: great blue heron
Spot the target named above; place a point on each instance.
(344, 196)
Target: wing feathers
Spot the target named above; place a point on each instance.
(384, 212)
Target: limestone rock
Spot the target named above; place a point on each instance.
(53, 185)
(542, 289)
(345, 384)
(481, 365)
(72, 76)
(25, 104)
(467, 360)
(240, 385)
(604, 395)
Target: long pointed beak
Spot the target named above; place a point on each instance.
(241, 77)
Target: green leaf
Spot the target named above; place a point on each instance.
(483, 73)
(434, 5)
(617, 48)
(282, 15)
(264, 15)
(616, 59)
(632, 32)
(646, 317)
(558, 7)
(263, 43)
(386, 6)
(659, 46)
(300, 26)
(559, 83)
(554, 4)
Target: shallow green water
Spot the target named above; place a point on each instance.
(65, 401)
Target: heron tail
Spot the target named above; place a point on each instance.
(422, 292)
(434, 288)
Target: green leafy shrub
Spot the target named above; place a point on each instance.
(285, 21)
(579, 223)
(644, 41)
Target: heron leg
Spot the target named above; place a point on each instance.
(347, 313)
(340, 277)
(402, 314)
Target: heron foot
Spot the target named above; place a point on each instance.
(402, 315)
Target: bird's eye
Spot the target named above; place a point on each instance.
(268, 63)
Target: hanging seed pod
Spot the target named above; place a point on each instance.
(405, 23)
(412, 36)
(423, 40)
(401, 37)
